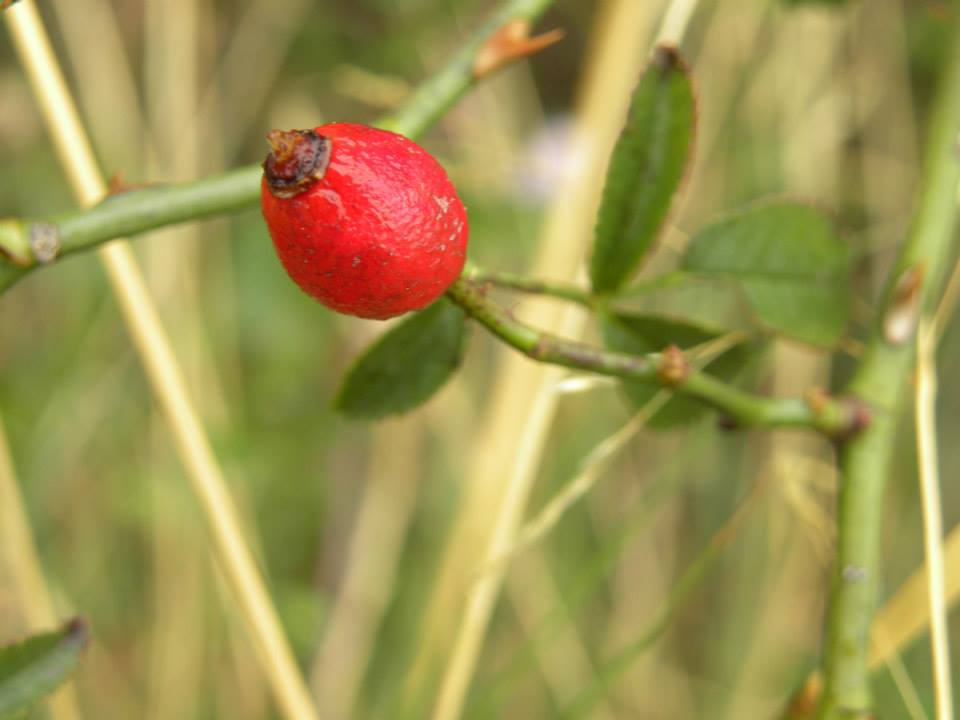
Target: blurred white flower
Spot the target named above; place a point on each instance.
(548, 158)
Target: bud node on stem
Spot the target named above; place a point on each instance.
(674, 368)
(44, 241)
(841, 418)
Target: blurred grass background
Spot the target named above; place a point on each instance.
(351, 520)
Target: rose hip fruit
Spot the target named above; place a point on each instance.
(364, 220)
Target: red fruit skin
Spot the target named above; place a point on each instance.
(382, 233)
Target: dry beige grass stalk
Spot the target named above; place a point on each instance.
(926, 432)
(163, 371)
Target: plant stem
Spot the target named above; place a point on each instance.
(438, 94)
(834, 417)
(512, 281)
(136, 211)
(879, 382)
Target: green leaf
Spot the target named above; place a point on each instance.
(646, 167)
(407, 365)
(789, 262)
(709, 302)
(32, 669)
(642, 334)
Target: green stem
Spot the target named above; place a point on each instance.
(834, 417)
(438, 94)
(512, 281)
(880, 381)
(137, 211)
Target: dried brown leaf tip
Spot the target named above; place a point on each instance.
(117, 185)
(77, 629)
(901, 318)
(666, 58)
(511, 42)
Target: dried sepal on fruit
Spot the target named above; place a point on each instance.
(364, 220)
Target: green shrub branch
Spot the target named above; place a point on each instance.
(670, 369)
(137, 211)
(880, 381)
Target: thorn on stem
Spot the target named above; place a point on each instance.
(900, 320)
(115, 184)
(674, 368)
(511, 42)
(841, 418)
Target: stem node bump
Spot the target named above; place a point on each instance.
(674, 368)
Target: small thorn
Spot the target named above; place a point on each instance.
(842, 417)
(117, 186)
(511, 42)
(901, 319)
(674, 368)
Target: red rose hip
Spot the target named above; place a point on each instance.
(364, 220)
